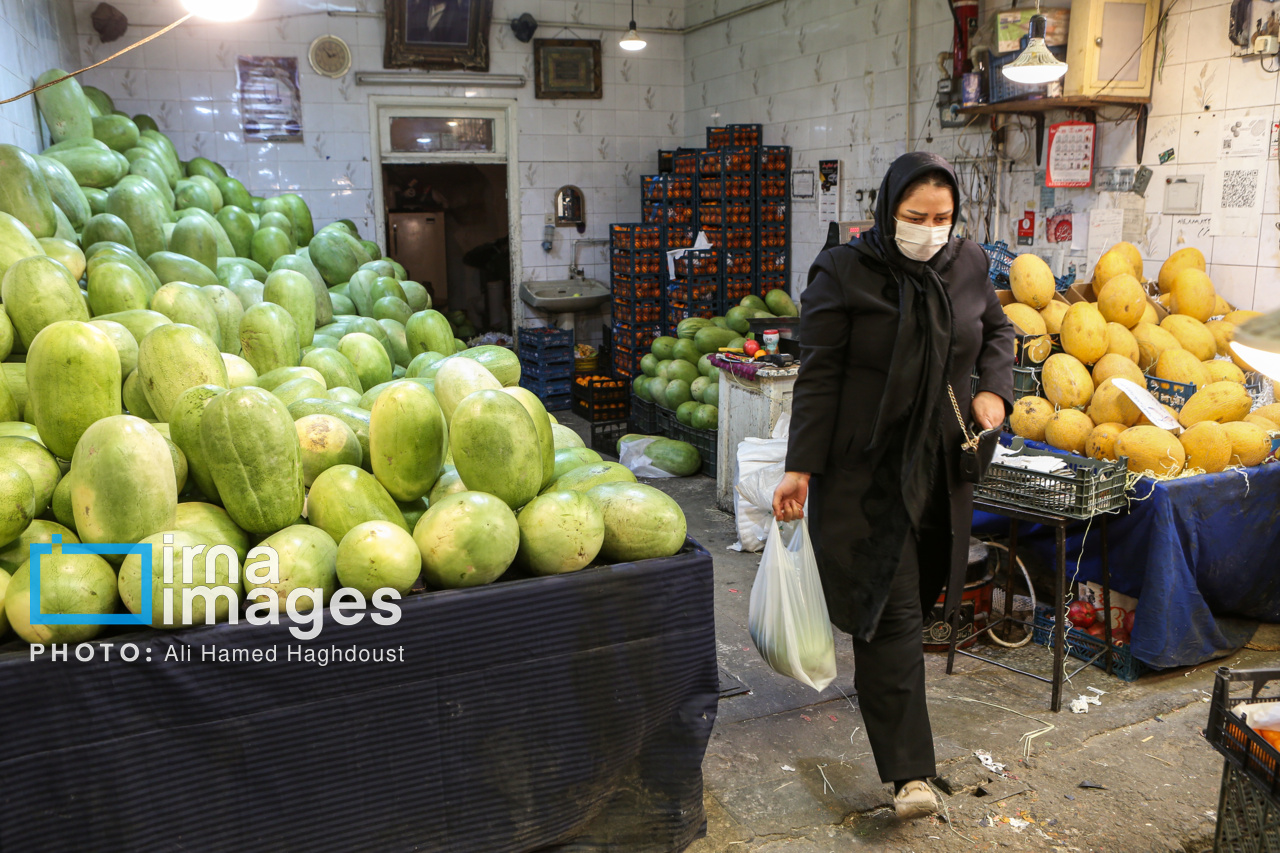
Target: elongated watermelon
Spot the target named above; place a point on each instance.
(496, 448)
(408, 440)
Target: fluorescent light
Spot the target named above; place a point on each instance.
(470, 93)
(221, 10)
(439, 78)
(452, 123)
(1036, 65)
(1257, 342)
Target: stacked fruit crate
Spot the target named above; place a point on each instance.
(546, 366)
(637, 271)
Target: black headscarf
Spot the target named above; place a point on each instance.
(904, 439)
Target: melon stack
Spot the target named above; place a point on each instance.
(1120, 335)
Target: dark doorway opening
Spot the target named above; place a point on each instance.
(447, 224)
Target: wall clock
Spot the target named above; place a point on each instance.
(330, 56)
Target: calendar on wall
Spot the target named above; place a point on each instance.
(1070, 154)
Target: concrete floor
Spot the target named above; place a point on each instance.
(791, 770)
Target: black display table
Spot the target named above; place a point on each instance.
(568, 712)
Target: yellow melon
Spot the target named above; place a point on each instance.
(1207, 446)
(1223, 402)
(1038, 349)
(1113, 365)
(1172, 412)
(1030, 416)
(1222, 332)
(1238, 317)
(1221, 307)
(1152, 341)
(1271, 412)
(1132, 255)
(1265, 423)
(1026, 318)
(1250, 444)
(1111, 405)
(1084, 333)
(1122, 300)
(1031, 281)
(1101, 443)
(1178, 365)
(1068, 430)
(1067, 383)
(1192, 335)
(1109, 266)
(1121, 342)
(1151, 449)
(1166, 299)
(1189, 257)
(1193, 294)
(1149, 314)
(1053, 314)
(1221, 370)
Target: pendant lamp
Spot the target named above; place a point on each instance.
(632, 40)
(1036, 65)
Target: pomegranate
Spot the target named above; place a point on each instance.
(1128, 621)
(1081, 614)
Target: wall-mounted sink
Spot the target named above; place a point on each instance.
(566, 296)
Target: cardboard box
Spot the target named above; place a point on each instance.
(1011, 26)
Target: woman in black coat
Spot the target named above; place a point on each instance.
(889, 321)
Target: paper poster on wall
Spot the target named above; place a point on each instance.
(1106, 228)
(1057, 227)
(270, 102)
(1235, 193)
(829, 195)
(1134, 229)
(1070, 154)
(1246, 137)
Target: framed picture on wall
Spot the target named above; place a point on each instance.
(566, 68)
(438, 34)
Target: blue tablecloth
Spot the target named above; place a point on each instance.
(1201, 555)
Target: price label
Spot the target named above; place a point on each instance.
(1148, 405)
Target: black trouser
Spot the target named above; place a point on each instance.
(889, 678)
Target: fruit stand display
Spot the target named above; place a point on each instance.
(187, 364)
(1141, 372)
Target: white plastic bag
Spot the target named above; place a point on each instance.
(761, 466)
(633, 457)
(788, 620)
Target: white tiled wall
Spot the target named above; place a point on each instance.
(35, 35)
(186, 81)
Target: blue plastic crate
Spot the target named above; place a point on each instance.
(1083, 645)
(540, 339)
(547, 387)
(557, 356)
(558, 403)
(539, 371)
(1001, 257)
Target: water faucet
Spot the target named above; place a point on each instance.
(575, 269)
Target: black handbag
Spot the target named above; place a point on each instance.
(978, 448)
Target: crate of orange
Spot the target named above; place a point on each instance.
(1246, 728)
(637, 287)
(601, 398)
(637, 338)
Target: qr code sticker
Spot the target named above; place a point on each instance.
(1239, 187)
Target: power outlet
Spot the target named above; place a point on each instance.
(549, 220)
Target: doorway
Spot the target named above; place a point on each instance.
(447, 223)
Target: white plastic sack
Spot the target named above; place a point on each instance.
(761, 466)
(788, 620)
(637, 461)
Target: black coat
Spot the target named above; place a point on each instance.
(848, 326)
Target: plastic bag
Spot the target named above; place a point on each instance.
(633, 457)
(788, 620)
(761, 466)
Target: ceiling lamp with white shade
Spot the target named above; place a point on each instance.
(632, 40)
(1257, 343)
(1036, 65)
(221, 10)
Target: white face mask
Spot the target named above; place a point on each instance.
(920, 242)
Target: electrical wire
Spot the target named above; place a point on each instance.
(138, 43)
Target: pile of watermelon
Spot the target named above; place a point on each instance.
(183, 359)
(677, 373)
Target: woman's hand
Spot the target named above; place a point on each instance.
(988, 410)
(789, 497)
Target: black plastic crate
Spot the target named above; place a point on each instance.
(626, 361)
(549, 389)
(644, 416)
(685, 162)
(596, 389)
(774, 159)
(733, 238)
(726, 188)
(735, 135)
(1229, 732)
(732, 160)
(698, 262)
(633, 236)
(636, 262)
(773, 187)
(741, 262)
(1247, 821)
(637, 288)
(1085, 488)
(667, 189)
(774, 237)
(1084, 646)
(772, 281)
(605, 435)
(679, 236)
(773, 261)
(702, 439)
(603, 412)
(635, 338)
(737, 287)
(696, 289)
(543, 338)
(734, 214)
(776, 212)
(719, 137)
(656, 213)
(637, 312)
(678, 311)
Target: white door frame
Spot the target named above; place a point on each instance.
(508, 107)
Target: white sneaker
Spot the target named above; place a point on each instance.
(916, 799)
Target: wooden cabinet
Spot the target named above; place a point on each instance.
(1111, 48)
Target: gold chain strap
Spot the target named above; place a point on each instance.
(970, 440)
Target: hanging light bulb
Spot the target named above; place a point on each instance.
(1036, 65)
(632, 40)
(1257, 343)
(221, 10)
